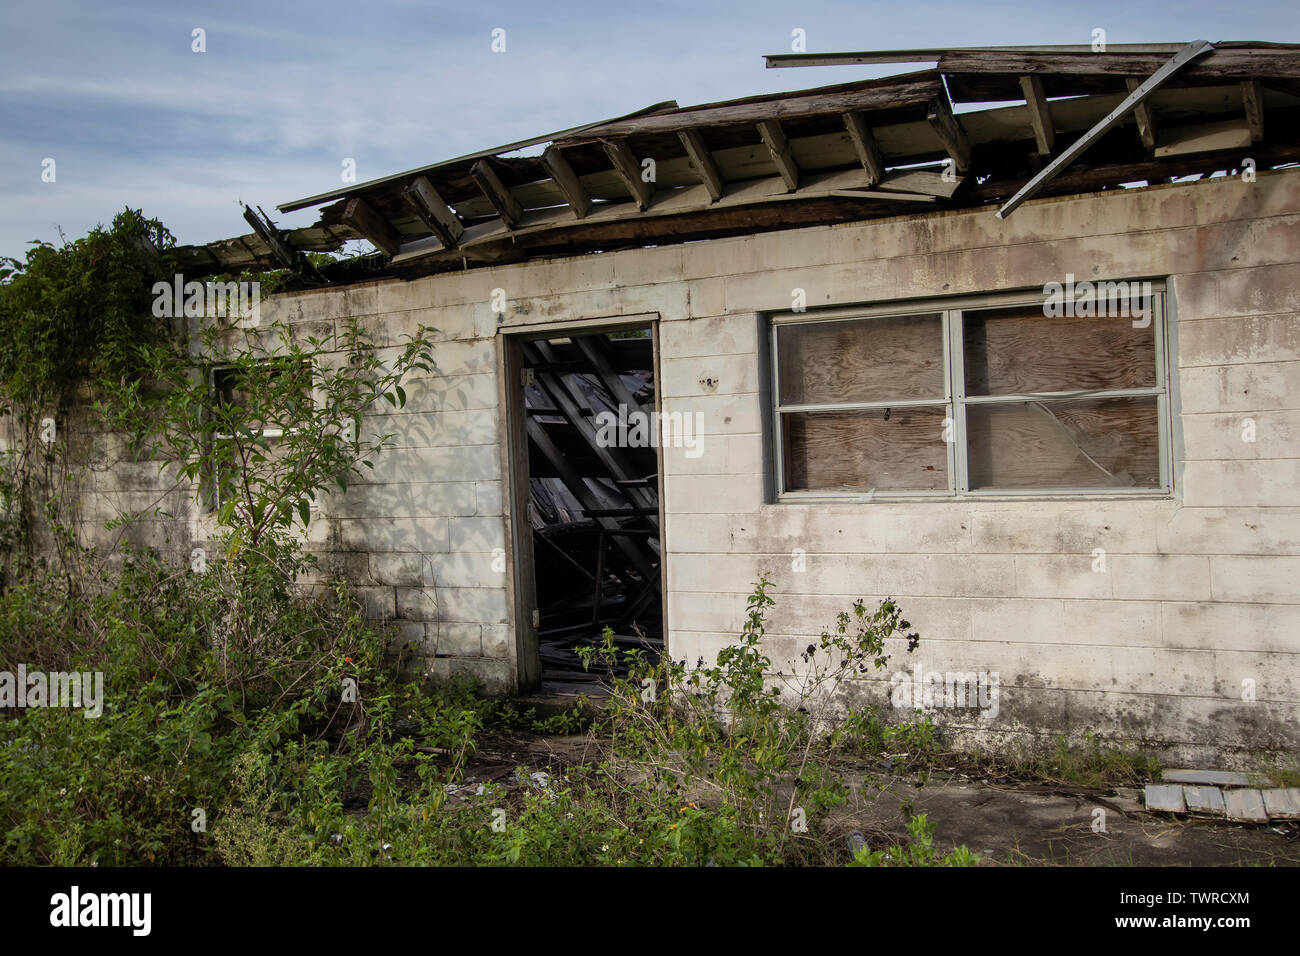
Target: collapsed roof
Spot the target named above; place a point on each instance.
(1085, 121)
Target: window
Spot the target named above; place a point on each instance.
(250, 406)
(988, 396)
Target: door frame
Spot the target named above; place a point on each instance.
(521, 578)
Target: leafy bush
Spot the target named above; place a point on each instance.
(920, 852)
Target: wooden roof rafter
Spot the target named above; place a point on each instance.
(835, 153)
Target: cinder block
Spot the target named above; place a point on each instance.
(477, 534)
(379, 602)
(702, 338)
(1265, 580)
(403, 569)
(498, 641)
(393, 534)
(1238, 388)
(417, 604)
(482, 605)
(460, 640)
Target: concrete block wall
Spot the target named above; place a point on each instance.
(1199, 593)
(1197, 607)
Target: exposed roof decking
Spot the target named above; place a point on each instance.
(839, 153)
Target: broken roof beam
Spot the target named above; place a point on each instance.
(432, 210)
(1146, 121)
(1144, 90)
(274, 239)
(934, 54)
(575, 194)
(629, 171)
(1252, 101)
(869, 154)
(1224, 63)
(1040, 114)
(697, 151)
(778, 147)
(361, 216)
(913, 89)
(945, 126)
(506, 205)
(446, 163)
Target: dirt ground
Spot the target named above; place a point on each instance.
(1007, 821)
(1018, 823)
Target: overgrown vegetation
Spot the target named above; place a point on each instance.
(211, 754)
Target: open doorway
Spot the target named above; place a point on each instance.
(587, 507)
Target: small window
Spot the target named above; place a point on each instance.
(1003, 396)
(238, 396)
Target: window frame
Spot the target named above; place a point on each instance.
(955, 401)
(213, 494)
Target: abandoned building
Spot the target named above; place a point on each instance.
(1011, 339)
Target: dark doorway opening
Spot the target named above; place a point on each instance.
(591, 422)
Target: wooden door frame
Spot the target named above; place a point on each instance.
(521, 577)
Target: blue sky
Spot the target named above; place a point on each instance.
(112, 92)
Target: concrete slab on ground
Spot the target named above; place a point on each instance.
(1245, 806)
(1204, 800)
(1282, 803)
(1209, 778)
(1165, 798)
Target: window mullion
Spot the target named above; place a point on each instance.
(956, 359)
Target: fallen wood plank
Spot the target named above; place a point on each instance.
(579, 489)
(271, 236)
